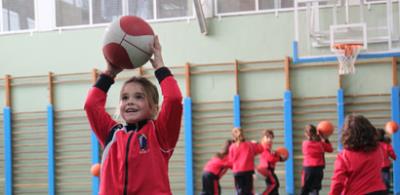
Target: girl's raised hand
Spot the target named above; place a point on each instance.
(157, 60)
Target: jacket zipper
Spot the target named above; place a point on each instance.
(126, 165)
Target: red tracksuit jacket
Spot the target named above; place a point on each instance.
(267, 160)
(136, 162)
(217, 166)
(242, 156)
(357, 173)
(388, 154)
(314, 152)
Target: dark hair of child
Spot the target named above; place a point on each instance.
(359, 134)
(225, 149)
(269, 133)
(381, 134)
(311, 132)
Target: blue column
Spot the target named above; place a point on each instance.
(50, 149)
(8, 151)
(236, 111)
(396, 139)
(340, 116)
(95, 160)
(187, 111)
(288, 125)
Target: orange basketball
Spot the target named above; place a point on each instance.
(282, 152)
(325, 128)
(95, 170)
(391, 127)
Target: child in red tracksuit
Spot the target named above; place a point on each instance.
(136, 153)
(215, 168)
(388, 154)
(267, 164)
(358, 166)
(241, 156)
(314, 148)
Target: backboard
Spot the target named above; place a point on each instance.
(321, 24)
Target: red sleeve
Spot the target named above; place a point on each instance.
(168, 123)
(327, 146)
(391, 152)
(258, 148)
(340, 175)
(230, 155)
(226, 162)
(100, 121)
(273, 157)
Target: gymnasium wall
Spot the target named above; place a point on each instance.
(258, 42)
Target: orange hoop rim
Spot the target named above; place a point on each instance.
(348, 48)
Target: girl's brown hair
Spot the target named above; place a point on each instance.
(225, 149)
(269, 133)
(359, 134)
(241, 137)
(311, 132)
(150, 91)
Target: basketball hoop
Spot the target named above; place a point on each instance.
(346, 54)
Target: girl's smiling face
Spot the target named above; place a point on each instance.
(134, 105)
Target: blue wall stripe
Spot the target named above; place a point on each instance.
(396, 139)
(50, 150)
(95, 160)
(289, 170)
(187, 111)
(236, 111)
(340, 115)
(8, 151)
(298, 60)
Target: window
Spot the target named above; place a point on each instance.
(72, 12)
(141, 8)
(18, 15)
(287, 3)
(105, 11)
(174, 8)
(226, 6)
(267, 4)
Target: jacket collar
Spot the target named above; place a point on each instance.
(136, 126)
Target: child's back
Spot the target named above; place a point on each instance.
(313, 148)
(314, 151)
(358, 167)
(242, 156)
(359, 171)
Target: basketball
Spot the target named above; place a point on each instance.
(127, 42)
(282, 152)
(325, 128)
(391, 127)
(95, 170)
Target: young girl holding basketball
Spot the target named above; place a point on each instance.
(214, 169)
(137, 152)
(313, 148)
(388, 156)
(241, 155)
(358, 166)
(268, 160)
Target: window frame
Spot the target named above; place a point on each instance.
(2, 27)
(50, 25)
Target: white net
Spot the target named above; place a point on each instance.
(347, 56)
